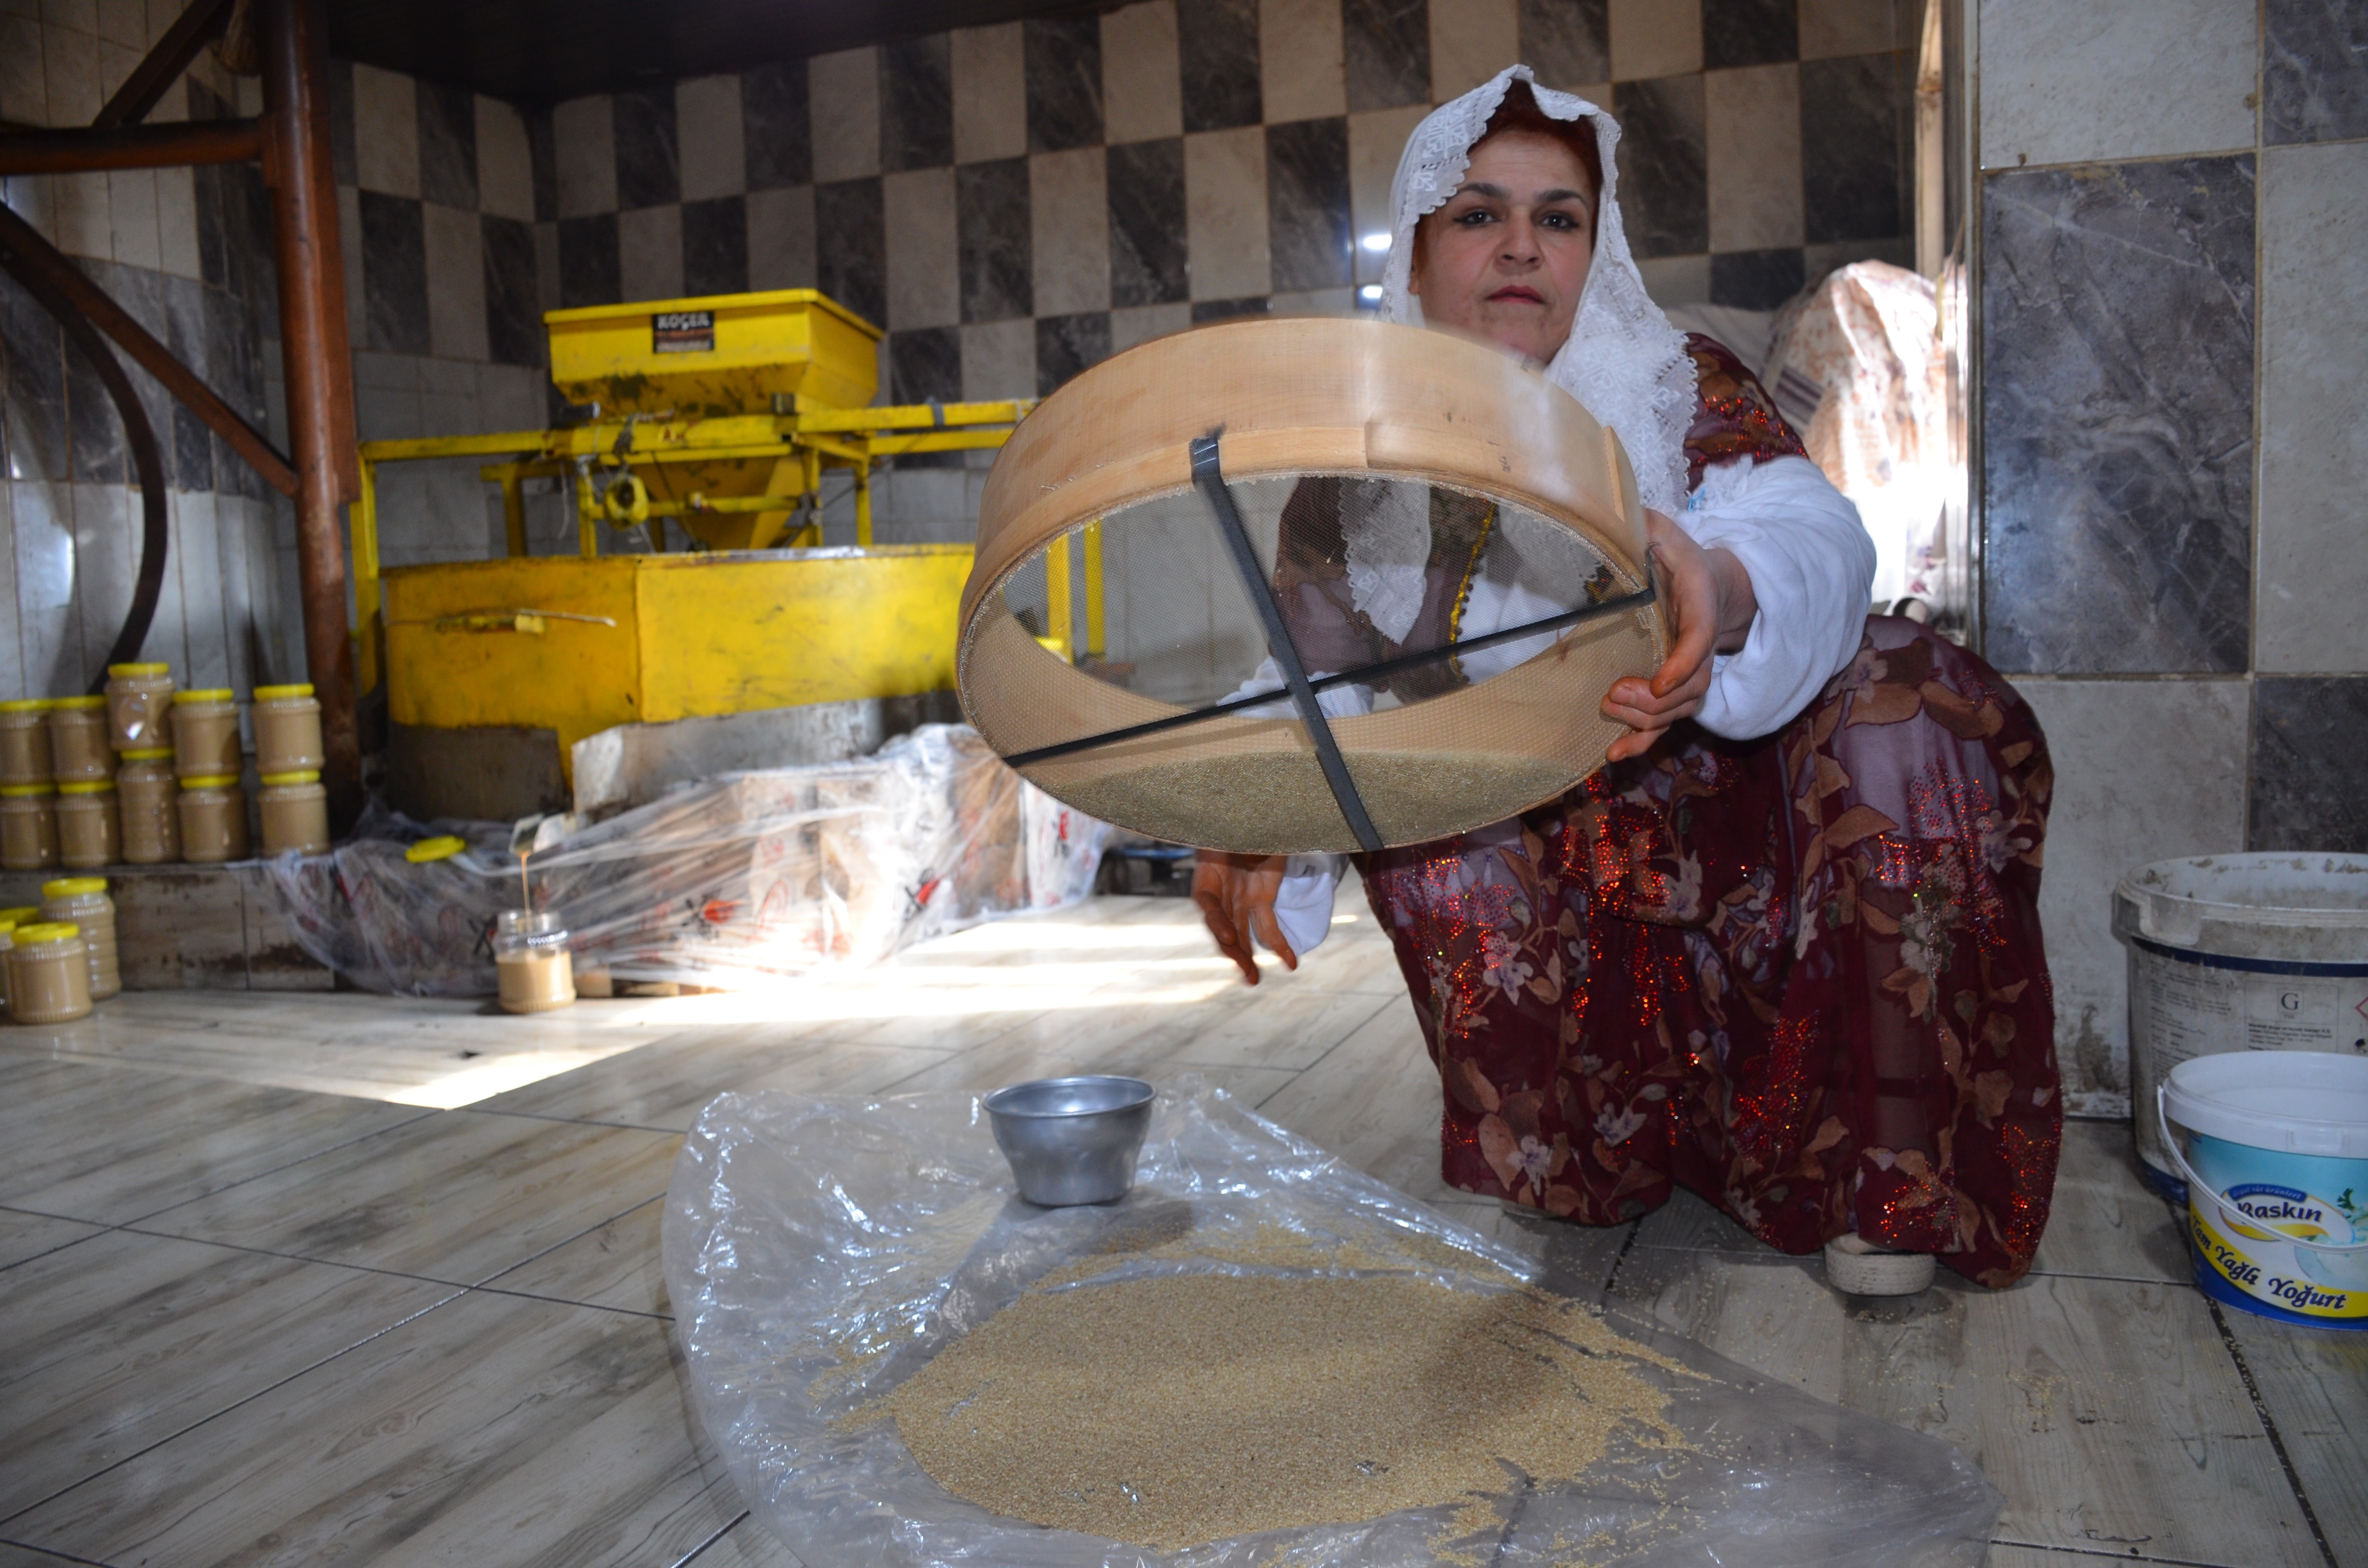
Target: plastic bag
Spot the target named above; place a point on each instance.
(739, 881)
(819, 1251)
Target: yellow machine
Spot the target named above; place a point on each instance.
(722, 414)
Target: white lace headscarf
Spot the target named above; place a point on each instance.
(1624, 362)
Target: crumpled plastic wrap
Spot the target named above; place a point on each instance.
(739, 881)
(818, 1251)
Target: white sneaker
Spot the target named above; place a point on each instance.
(1859, 1268)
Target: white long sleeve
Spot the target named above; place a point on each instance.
(1812, 567)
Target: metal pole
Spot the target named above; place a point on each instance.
(319, 364)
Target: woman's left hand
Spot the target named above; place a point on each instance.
(1706, 596)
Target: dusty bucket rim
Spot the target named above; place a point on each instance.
(2152, 881)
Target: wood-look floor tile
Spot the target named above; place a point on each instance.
(1574, 1260)
(1374, 1101)
(2108, 1413)
(747, 1544)
(108, 1144)
(2104, 1223)
(615, 1266)
(992, 1066)
(2313, 1384)
(127, 1339)
(493, 1429)
(15, 1556)
(663, 1084)
(26, 1236)
(458, 1195)
(1271, 1026)
(1688, 1222)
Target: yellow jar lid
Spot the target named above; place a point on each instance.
(207, 694)
(301, 775)
(441, 848)
(26, 792)
(136, 670)
(21, 913)
(46, 931)
(77, 704)
(274, 693)
(26, 705)
(147, 754)
(211, 781)
(87, 787)
(72, 886)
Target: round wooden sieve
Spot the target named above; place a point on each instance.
(1301, 398)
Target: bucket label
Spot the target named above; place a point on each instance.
(2256, 1260)
(682, 332)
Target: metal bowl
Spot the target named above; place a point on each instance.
(1072, 1139)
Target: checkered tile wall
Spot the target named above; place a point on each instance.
(1014, 202)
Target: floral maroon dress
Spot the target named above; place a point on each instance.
(1801, 975)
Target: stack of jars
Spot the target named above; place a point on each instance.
(28, 809)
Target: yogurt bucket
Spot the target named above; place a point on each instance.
(2277, 1181)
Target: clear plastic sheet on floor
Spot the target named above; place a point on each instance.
(735, 882)
(819, 1251)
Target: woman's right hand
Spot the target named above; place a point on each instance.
(1236, 895)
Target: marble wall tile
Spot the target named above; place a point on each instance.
(448, 145)
(1299, 63)
(1756, 280)
(1375, 142)
(1851, 148)
(916, 103)
(542, 157)
(2118, 376)
(12, 664)
(131, 219)
(70, 73)
(997, 270)
(715, 245)
(852, 268)
(776, 126)
(1664, 158)
(1207, 311)
(395, 273)
(1385, 45)
(1148, 223)
(386, 131)
(455, 251)
(1471, 42)
(648, 170)
(1566, 42)
(1753, 157)
(844, 90)
(32, 356)
(1068, 216)
(990, 86)
(998, 359)
(926, 364)
(48, 628)
(513, 317)
(1142, 97)
(709, 128)
(2078, 84)
(1063, 63)
(24, 92)
(2313, 557)
(2145, 771)
(1067, 344)
(1225, 214)
(1217, 45)
(176, 222)
(1816, 261)
(781, 238)
(504, 159)
(1857, 26)
(584, 149)
(2306, 764)
(1677, 280)
(924, 268)
(78, 216)
(1141, 324)
(1307, 203)
(1748, 32)
(2314, 71)
(1655, 38)
(649, 253)
(589, 273)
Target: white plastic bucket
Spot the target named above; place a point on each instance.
(2239, 952)
(2277, 1181)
